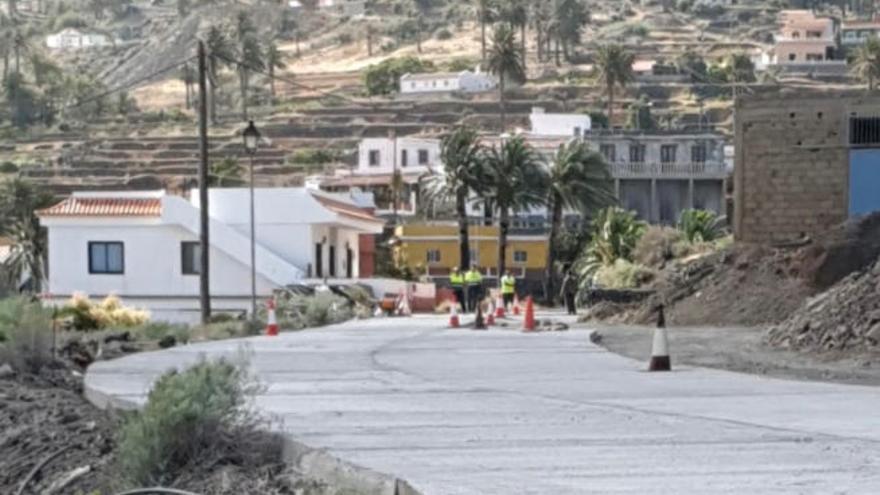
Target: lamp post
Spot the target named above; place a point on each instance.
(251, 139)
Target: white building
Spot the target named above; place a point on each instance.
(73, 39)
(143, 246)
(353, 8)
(446, 82)
(559, 124)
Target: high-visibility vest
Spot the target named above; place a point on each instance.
(456, 279)
(473, 277)
(508, 284)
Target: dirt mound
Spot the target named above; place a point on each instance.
(847, 248)
(843, 318)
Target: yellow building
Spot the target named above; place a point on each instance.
(432, 248)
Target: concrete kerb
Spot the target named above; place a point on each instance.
(317, 464)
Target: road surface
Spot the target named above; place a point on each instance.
(502, 412)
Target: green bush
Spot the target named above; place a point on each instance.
(155, 331)
(200, 416)
(459, 64)
(701, 225)
(26, 334)
(326, 308)
(314, 156)
(384, 78)
(614, 234)
(8, 168)
(443, 34)
(622, 275)
(659, 245)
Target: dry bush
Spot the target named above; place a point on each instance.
(86, 315)
(659, 245)
(623, 275)
(27, 330)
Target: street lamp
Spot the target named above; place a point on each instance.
(251, 138)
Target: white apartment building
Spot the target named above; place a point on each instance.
(559, 124)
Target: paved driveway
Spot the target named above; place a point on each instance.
(501, 412)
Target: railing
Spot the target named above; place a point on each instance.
(674, 169)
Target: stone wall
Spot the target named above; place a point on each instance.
(792, 163)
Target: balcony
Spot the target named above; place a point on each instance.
(675, 170)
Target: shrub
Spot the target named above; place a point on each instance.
(322, 308)
(110, 312)
(226, 329)
(8, 168)
(459, 64)
(314, 156)
(659, 245)
(155, 331)
(614, 234)
(26, 334)
(198, 417)
(701, 225)
(344, 39)
(384, 78)
(623, 275)
(443, 34)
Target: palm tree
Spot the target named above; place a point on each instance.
(571, 15)
(220, 51)
(484, 15)
(505, 62)
(541, 21)
(250, 56)
(511, 180)
(188, 76)
(460, 153)
(19, 200)
(516, 13)
(614, 68)
(19, 44)
(274, 60)
(578, 179)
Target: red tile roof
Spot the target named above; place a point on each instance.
(346, 210)
(104, 207)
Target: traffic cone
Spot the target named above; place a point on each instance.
(405, 309)
(479, 322)
(660, 346)
(453, 313)
(529, 323)
(490, 317)
(499, 306)
(271, 322)
(516, 305)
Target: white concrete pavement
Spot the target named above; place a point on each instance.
(502, 412)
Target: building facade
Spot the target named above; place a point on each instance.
(446, 82)
(854, 33)
(559, 124)
(143, 246)
(804, 163)
(806, 43)
(73, 39)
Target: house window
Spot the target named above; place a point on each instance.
(374, 158)
(577, 131)
(698, 153)
(609, 151)
(433, 256)
(667, 153)
(864, 130)
(423, 157)
(791, 57)
(404, 156)
(637, 153)
(520, 256)
(795, 34)
(814, 57)
(190, 258)
(106, 258)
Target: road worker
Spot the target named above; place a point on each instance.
(508, 289)
(456, 280)
(474, 280)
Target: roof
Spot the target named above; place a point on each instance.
(861, 25)
(427, 76)
(105, 207)
(346, 209)
(643, 65)
(368, 180)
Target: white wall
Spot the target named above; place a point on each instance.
(559, 124)
(385, 147)
(472, 82)
(430, 85)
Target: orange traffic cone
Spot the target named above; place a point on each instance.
(271, 322)
(499, 306)
(516, 305)
(453, 313)
(529, 323)
(490, 317)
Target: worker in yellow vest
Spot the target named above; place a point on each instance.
(456, 280)
(474, 280)
(508, 289)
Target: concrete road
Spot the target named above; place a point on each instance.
(501, 412)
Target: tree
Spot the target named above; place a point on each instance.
(578, 179)
(693, 65)
(614, 234)
(511, 180)
(866, 62)
(251, 56)
(19, 200)
(740, 69)
(485, 15)
(188, 76)
(422, 8)
(219, 51)
(571, 16)
(183, 7)
(384, 78)
(516, 13)
(542, 16)
(19, 45)
(460, 153)
(274, 60)
(640, 116)
(505, 62)
(614, 68)
(22, 101)
(225, 173)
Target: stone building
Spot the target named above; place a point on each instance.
(804, 162)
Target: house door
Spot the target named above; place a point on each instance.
(319, 261)
(349, 263)
(864, 181)
(332, 261)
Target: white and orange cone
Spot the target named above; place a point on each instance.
(660, 346)
(516, 305)
(453, 313)
(271, 322)
(490, 315)
(499, 306)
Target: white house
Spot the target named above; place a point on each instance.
(559, 124)
(143, 246)
(73, 39)
(353, 8)
(446, 82)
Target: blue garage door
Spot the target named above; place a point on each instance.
(864, 181)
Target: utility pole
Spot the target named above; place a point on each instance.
(204, 244)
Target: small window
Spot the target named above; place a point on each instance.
(667, 153)
(698, 153)
(423, 157)
(577, 131)
(404, 158)
(520, 256)
(637, 153)
(106, 258)
(190, 258)
(609, 151)
(374, 158)
(433, 256)
(791, 57)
